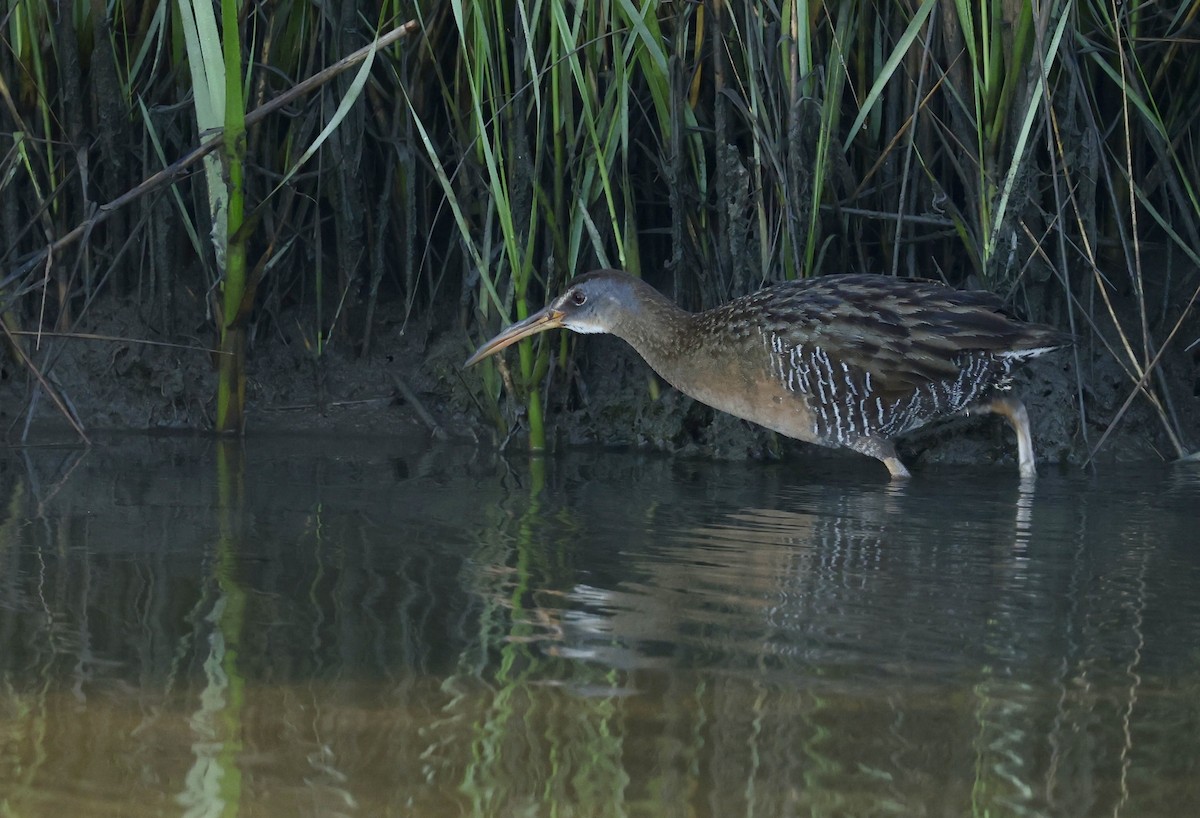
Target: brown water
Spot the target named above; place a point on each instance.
(304, 627)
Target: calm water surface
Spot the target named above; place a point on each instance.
(298, 627)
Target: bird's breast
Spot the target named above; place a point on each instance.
(748, 389)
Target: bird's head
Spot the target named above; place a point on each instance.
(594, 303)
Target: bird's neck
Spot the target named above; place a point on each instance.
(663, 334)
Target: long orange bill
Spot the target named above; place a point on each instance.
(540, 321)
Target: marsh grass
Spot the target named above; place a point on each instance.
(1046, 150)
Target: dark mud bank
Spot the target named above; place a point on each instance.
(413, 380)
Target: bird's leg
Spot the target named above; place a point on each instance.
(1014, 412)
(882, 450)
(896, 468)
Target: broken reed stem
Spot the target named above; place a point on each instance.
(45, 384)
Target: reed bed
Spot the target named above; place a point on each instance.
(467, 158)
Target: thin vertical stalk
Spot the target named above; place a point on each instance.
(231, 383)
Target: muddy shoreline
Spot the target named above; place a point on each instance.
(413, 382)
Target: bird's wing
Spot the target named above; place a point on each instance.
(902, 332)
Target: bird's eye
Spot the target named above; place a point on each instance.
(578, 298)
